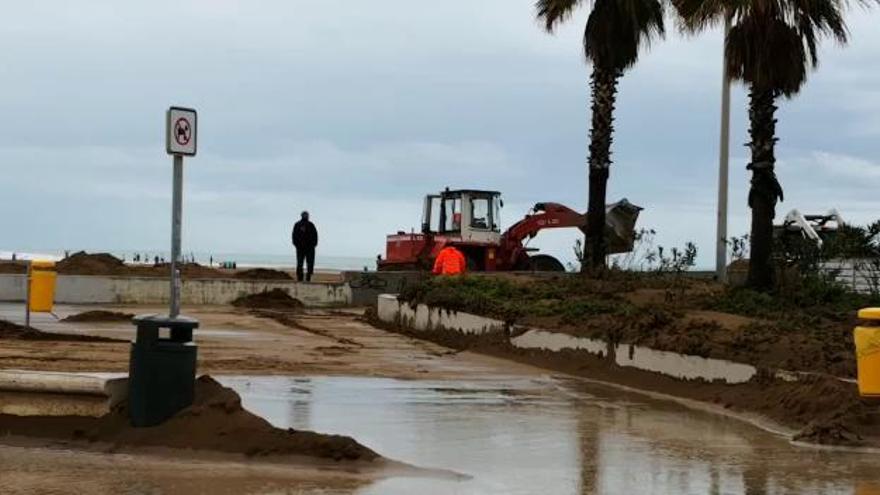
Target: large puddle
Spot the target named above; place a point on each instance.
(521, 435)
(509, 435)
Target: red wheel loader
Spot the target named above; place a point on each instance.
(470, 220)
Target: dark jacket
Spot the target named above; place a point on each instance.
(305, 235)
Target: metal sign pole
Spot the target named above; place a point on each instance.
(723, 162)
(176, 207)
(27, 296)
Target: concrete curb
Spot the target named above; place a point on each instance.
(114, 388)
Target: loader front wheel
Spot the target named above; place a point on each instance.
(545, 263)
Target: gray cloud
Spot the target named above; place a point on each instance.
(356, 109)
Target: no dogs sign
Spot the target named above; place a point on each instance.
(180, 131)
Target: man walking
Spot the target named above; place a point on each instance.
(305, 240)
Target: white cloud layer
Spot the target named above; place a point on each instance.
(354, 110)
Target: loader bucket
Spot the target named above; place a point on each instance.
(620, 223)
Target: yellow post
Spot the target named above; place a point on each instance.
(42, 286)
(867, 340)
(867, 488)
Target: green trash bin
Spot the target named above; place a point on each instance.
(162, 370)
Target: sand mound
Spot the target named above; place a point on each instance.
(274, 299)
(13, 267)
(13, 331)
(832, 433)
(82, 263)
(215, 422)
(193, 270)
(263, 274)
(98, 316)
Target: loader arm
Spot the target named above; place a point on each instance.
(620, 220)
(544, 216)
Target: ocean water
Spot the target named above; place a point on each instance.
(242, 260)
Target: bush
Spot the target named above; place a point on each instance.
(570, 298)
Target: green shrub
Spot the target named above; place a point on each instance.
(570, 298)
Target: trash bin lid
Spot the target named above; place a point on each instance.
(869, 314)
(164, 321)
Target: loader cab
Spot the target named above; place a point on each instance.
(472, 215)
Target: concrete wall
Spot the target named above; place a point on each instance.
(366, 287)
(682, 366)
(81, 289)
(555, 341)
(425, 318)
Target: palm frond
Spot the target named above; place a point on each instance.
(553, 12)
(767, 54)
(618, 29)
(815, 18)
(772, 42)
(696, 15)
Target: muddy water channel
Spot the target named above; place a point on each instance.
(501, 434)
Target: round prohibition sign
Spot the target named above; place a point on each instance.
(182, 131)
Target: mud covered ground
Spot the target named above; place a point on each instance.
(804, 331)
(239, 341)
(216, 422)
(232, 341)
(272, 299)
(14, 331)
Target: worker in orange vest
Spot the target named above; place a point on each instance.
(450, 261)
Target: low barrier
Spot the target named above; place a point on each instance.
(682, 366)
(44, 393)
(88, 289)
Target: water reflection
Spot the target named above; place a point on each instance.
(515, 435)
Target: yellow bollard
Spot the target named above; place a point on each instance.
(867, 488)
(867, 340)
(42, 278)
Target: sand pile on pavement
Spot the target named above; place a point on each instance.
(82, 263)
(13, 267)
(215, 422)
(13, 331)
(276, 299)
(98, 316)
(833, 411)
(263, 274)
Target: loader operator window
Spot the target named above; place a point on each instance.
(496, 214)
(451, 215)
(480, 214)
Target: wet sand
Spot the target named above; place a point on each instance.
(28, 470)
(234, 341)
(508, 428)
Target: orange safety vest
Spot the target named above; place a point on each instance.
(449, 261)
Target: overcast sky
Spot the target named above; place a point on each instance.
(355, 110)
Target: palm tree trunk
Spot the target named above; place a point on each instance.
(765, 189)
(604, 89)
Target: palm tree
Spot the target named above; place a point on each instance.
(770, 47)
(616, 30)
